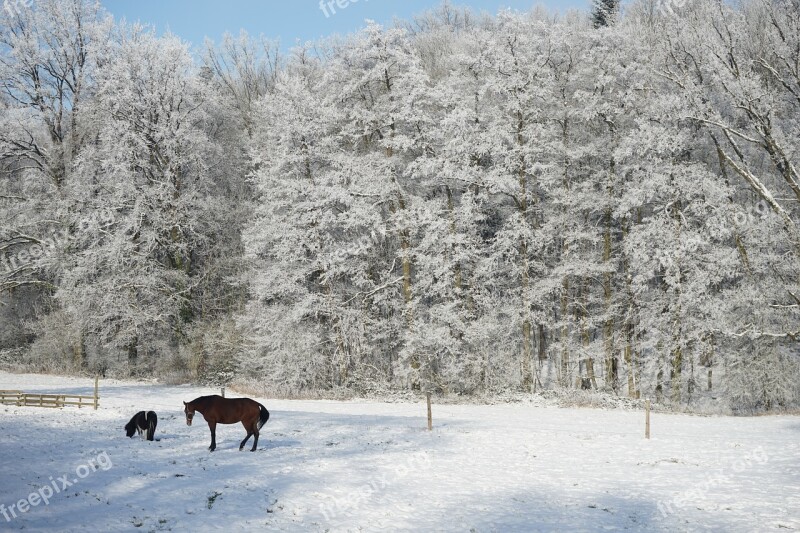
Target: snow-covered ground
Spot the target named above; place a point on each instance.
(352, 466)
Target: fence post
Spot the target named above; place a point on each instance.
(223, 392)
(647, 418)
(430, 415)
(96, 396)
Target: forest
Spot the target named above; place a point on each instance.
(462, 203)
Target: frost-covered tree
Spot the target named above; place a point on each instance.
(47, 61)
(741, 91)
(530, 203)
(458, 203)
(132, 280)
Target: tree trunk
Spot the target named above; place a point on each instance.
(629, 353)
(612, 376)
(408, 296)
(677, 335)
(463, 292)
(527, 343)
(457, 274)
(675, 374)
(133, 352)
(586, 336)
(565, 381)
(565, 359)
(79, 352)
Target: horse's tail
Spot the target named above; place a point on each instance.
(263, 416)
(152, 421)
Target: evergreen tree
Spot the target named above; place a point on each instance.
(604, 12)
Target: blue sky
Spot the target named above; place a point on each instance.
(289, 20)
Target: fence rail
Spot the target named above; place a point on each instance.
(31, 399)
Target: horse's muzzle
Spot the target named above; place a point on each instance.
(188, 422)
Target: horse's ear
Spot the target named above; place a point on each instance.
(184, 403)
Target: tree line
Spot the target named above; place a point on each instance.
(460, 203)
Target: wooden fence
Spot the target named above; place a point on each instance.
(34, 399)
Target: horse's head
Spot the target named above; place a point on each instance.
(189, 410)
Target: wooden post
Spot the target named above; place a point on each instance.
(223, 392)
(430, 415)
(96, 396)
(647, 418)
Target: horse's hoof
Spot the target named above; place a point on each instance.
(252, 449)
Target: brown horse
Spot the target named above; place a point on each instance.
(218, 410)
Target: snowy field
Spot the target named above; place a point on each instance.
(358, 466)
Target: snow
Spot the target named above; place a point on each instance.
(366, 466)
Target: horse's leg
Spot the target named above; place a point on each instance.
(152, 422)
(255, 432)
(213, 427)
(249, 433)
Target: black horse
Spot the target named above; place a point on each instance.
(218, 410)
(142, 422)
